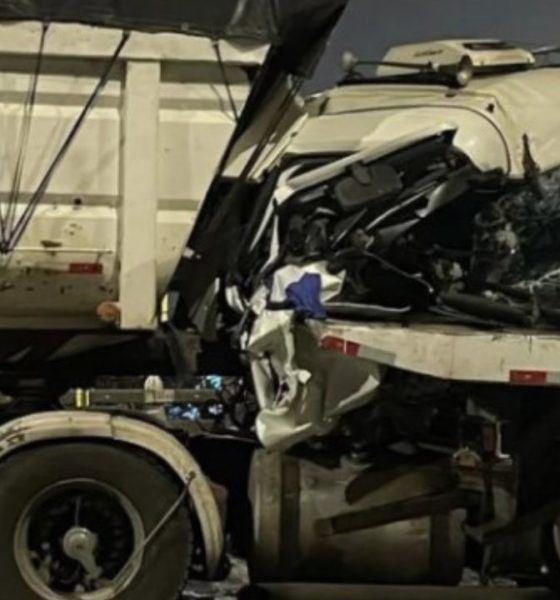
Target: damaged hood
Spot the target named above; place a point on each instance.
(291, 26)
(491, 117)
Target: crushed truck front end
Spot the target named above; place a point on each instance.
(362, 348)
(397, 290)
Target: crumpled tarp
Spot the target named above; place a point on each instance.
(289, 24)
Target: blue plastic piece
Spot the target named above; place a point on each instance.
(305, 296)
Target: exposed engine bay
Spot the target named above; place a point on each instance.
(397, 290)
(425, 235)
(405, 200)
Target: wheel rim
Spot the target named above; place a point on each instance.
(79, 539)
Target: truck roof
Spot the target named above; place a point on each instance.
(483, 54)
(492, 115)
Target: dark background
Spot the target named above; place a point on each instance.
(371, 26)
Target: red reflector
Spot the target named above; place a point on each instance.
(352, 348)
(340, 345)
(332, 343)
(528, 377)
(85, 268)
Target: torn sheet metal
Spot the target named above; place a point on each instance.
(301, 387)
(422, 234)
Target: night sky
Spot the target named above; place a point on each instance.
(370, 26)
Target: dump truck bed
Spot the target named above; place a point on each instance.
(112, 223)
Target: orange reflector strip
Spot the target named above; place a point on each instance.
(340, 345)
(528, 377)
(85, 268)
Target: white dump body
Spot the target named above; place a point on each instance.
(113, 223)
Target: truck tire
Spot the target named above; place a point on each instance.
(65, 503)
(551, 554)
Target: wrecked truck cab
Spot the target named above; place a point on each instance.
(376, 162)
(421, 194)
(395, 280)
(427, 202)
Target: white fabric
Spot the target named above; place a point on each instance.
(331, 285)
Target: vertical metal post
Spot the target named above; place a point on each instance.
(138, 269)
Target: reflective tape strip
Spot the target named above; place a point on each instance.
(533, 377)
(341, 345)
(356, 350)
(85, 268)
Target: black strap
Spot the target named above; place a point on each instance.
(23, 222)
(226, 81)
(7, 220)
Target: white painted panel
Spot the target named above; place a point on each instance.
(125, 183)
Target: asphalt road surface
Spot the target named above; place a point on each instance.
(333, 592)
(239, 577)
(336, 592)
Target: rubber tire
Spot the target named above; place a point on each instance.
(144, 482)
(551, 558)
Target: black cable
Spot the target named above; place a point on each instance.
(256, 155)
(25, 218)
(7, 223)
(227, 84)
